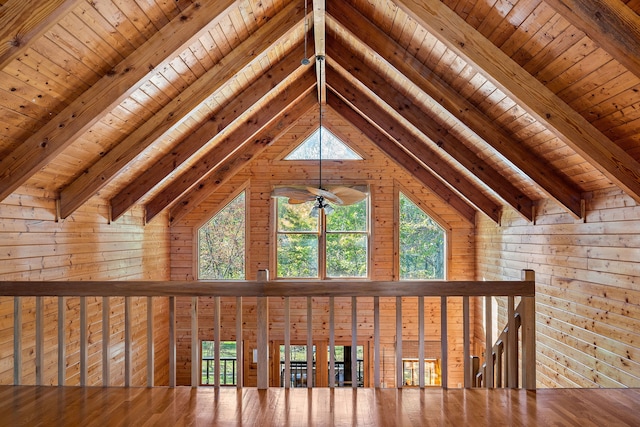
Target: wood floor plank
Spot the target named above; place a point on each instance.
(186, 406)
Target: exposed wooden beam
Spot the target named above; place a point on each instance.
(22, 21)
(248, 151)
(439, 137)
(175, 112)
(401, 157)
(610, 23)
(566, 123)
(228, 145)
(186, 148)
(269, 288)
(126, 77)
(319, 33)
(557, 187)
(402, 137)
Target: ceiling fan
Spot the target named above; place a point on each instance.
(338, 195)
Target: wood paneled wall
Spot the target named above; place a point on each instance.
(588, 275)
(384, 178)
(85, 246)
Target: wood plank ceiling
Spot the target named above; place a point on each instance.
(492, 104)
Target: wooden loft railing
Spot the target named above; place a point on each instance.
(500, 369)
(263, 289)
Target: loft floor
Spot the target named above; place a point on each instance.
(184, 406)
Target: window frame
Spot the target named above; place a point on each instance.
(321, 234)
(306, 136)
(244, 188)
(399, 189)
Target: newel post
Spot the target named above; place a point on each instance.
(529, 336)
(263, 335)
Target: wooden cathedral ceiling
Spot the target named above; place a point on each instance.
(491, 104)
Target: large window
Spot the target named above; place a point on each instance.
(326, 246)
(422, 243)
(221, 243)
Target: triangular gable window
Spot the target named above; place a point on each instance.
(332, 148)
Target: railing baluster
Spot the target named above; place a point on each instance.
(466, 336)
(216, 341)
(150, 344)
(39, 340)
(263, 343)
(127, 341)
(354, 342)
(376, 342)
(512, 345)
(529, 337)
(332, 343)
(287, 343)
(421, 341)
(262, 311)
(239, 344)
(195, 354)
(488, 352)
(62, 350)
(444, 343)
(106, 338)
(83, 342)
(309, 342)
(172, 341)
(17, 340)
(399, 367)
(498, 368)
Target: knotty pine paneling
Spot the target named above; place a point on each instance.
(587, 274)
(385, 179)
(85, 246)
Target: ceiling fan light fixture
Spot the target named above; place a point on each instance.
(319, 205)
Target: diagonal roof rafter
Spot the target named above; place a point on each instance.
(612, 24)
(189, 179)
(402, 137)
(566, 123)
(189, 146)
(400, 156)
(386, 49)
(98, 175)
(92, 105)
(249, 150)
(23, 22)
(440, 138)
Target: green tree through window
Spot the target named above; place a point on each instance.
(301, 239)
(422, 248)
(221, 243)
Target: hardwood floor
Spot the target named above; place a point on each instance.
(183, 406)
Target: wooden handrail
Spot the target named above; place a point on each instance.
(279, 288)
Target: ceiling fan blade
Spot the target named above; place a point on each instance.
(293, 201)
(299, 195)
(349, 196)
(328, 196)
